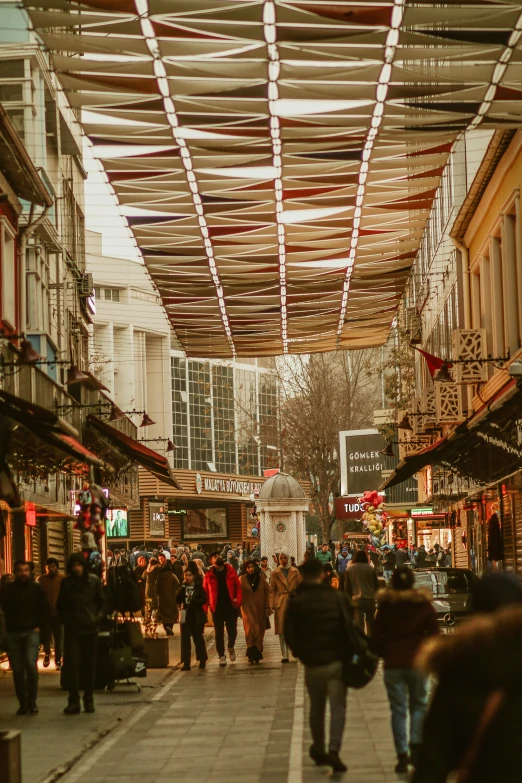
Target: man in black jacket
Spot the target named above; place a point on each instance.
(81, 606)
(315, 625)
(26, 613)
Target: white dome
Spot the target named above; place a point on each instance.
(280, 487)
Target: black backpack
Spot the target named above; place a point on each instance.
(359, 662)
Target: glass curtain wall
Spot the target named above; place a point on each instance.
(225, 417)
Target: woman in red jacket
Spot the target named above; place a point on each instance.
(223, 588)
(405, 617)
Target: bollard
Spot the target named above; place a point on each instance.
(11, 756)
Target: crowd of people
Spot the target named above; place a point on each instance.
(315, 608)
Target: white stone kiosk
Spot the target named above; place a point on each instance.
(282, 507)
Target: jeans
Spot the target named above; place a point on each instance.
(284, 647)
(364, 609)
(407, 692)
(228, 618)
(53, 631)
(193, 630)
(79, 662)
(22, 650)
(325, 683)
(388, 574)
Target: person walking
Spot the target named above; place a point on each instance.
(265, 570)
(401, 556)
(324, 555)
(140, 572)
(419, 558)
(361, 584)
(51, 581)
(192, 599)
(405, 618)
(26, 614)
(330, 576)
(471, 723)
(150, 615)
(314, 630)
(223, 588)
(81, 607)
(285, 579)
(177, 567)
(167, 586)
(254, 609)
(343, 558)
(389, 562)
(232, 560)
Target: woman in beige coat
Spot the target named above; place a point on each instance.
(254, 609)
(284, 580)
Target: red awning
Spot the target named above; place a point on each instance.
(153, 462)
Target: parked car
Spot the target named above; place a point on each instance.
(451, 588)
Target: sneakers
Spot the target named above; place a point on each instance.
(402, 763)
(335, 762)
(318, 756)
(33, 708)
(414, 754)
(222, 660)
(232, 654)
(46, 661)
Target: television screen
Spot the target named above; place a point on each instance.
(205, 523)
(117, 524)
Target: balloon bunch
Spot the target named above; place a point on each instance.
(91, 523)
(374, 516)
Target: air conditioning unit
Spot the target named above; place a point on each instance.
(86, 285)
(469, 347)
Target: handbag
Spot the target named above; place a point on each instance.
(122, 662)
(359, 662)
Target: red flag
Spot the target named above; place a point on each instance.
(434, 362)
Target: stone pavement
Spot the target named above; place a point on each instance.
(239, 724)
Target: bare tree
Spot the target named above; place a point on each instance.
(323, 394)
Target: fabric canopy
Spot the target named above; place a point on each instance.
(48, 427)
(155, 463)
(278, 161)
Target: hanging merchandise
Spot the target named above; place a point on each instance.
(374, 517)
(91, 524)
(495, 548)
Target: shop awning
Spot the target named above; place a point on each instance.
(48, 427)
(485, 449)
(153, 462)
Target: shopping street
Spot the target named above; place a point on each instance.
(239, 724)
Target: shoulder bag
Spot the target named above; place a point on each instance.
(359, 663)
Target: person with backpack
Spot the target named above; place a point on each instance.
(405, 618)
(314, 630)
(389, 562)
(192, 600)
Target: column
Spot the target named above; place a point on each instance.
(509, 280)
(518, 252)
(485, 300)
(497, 320)
(475, 301)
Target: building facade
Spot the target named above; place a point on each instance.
(465, 418)
(130, 342)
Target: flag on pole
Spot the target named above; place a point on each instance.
(434, 362)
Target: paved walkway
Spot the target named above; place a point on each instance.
(239, 724)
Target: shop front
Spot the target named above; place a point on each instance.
(431, 528)
(207, 512)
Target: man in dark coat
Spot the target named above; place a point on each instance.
(51, 582)
(24, 604)
(192, 600)
(472, 721)
(81, 606)
(223, 588)
(314, 630)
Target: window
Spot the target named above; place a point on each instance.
(112, 294)
(205, 523)
(8, 261)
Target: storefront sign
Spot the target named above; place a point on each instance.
(348, 508)
(230, 486)
(30, 514)
(425, 511)
(361, 463)
(157, 518)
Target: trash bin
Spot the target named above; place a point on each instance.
(10, 756)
